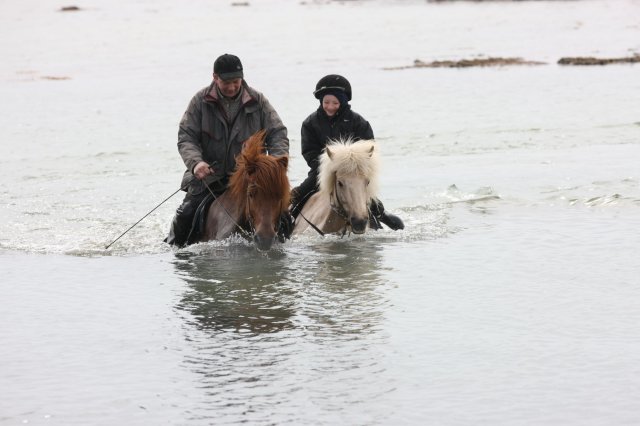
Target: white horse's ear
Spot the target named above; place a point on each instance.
(371, 150)
(329, 153)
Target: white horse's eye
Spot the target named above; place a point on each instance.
(367, 182)
(340, 184)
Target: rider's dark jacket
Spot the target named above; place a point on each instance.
(205, 134)
(318, 129)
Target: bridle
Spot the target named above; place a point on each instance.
(250, 221)
(338, 206)
(247, 209)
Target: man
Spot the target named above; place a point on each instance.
(218, 120)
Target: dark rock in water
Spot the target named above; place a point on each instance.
(481, 1)
(69, 9)
(55, 77)
(240, 3)
(581, 60)
(466, 63)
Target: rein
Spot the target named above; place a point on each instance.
(312, 225)
(242, 230)
(303, 216)
(151, 211)
(337, 208)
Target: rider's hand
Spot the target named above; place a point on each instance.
(202, 170)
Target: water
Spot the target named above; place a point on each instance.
(512, 296)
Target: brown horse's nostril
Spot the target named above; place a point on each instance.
(263, 244)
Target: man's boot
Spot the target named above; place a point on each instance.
(179, 231)
(183, 221)
(378, 215)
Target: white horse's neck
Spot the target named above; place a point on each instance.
(317, 211)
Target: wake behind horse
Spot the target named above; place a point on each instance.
(257, 196)
(347, 181)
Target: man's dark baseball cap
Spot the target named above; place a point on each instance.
(228, 67)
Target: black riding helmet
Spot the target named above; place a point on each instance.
(332, 82)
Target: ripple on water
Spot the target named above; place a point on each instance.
(287, 330)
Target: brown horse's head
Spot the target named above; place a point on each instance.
(261, 186)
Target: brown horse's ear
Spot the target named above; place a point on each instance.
(371, 151)
(243, 161)
(284, 161)
(329, 153)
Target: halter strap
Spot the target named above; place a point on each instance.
(339, 207)
(250, 218)
(248, 211)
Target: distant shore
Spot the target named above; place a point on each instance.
(501, 62)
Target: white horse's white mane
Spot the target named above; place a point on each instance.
(349, 158)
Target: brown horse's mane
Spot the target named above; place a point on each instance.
(257, 170)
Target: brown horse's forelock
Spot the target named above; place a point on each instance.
(271, 177)
(256, 169)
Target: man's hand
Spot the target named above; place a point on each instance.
(202, 170)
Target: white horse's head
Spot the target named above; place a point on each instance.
(348, 173)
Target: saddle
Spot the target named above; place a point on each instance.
(200, 219)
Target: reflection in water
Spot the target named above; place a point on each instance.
(342, 287)
(236, 289)
(286, 329)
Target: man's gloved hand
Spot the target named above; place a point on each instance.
(202, 170)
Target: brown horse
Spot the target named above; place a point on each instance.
(258, 195)
(347, 181)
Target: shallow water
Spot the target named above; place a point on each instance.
(511, 297)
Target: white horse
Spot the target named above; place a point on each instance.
(347, 181)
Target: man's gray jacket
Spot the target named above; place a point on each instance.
(206, 135)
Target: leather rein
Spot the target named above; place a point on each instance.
(337, 208)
